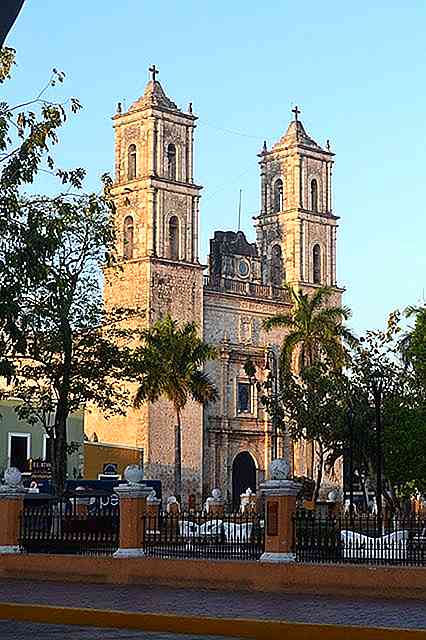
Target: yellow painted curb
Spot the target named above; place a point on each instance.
(234, 628)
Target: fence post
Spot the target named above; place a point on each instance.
(81, 502)
(12, 494)
(153, 510)
(280, 505)
(132, 497)
(216, 505)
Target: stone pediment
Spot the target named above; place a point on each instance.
(232, 243)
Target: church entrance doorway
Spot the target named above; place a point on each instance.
(243, 476)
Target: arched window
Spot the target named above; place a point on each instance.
(171, 161)
(131, 162)
(174, 238)
(314, 195)
(278, 195)
(316, 261)
(128, 238)
(277, 266)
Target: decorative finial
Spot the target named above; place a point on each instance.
(296, 112)
(190, 107)
(133, 474)
(153, 71)
(265, 148)
(119, 107)
(328, 145)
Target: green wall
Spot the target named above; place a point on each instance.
(10, 423)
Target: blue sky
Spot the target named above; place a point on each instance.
(356, 69)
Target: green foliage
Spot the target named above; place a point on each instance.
(382, 387)
(337, 409)
(75, 351)
(413, 344)
(169, 364)
(59, 348)
(314, 409)
(28, 131)
(315, 329)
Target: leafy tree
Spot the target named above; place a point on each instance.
(391, 406)
(28, 131)
(75, 351)
(413, 345)
(168, 365)
(315, 333)
(314, 328)
(58, 345)
(313, 408)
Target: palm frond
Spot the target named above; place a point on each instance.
(202, 389)
(279, 320)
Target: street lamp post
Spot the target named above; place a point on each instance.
(271, 365)
(377, 388)
(351, 461)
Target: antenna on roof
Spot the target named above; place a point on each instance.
(239, 211)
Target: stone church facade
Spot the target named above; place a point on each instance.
(227, 444)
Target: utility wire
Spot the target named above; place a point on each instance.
(227, 184)
(230, 131)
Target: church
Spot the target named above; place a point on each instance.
(230, 443)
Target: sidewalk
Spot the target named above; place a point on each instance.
(11, 630)
(376, 612)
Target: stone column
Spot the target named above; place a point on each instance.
(216, 505)
(196, 226)
(151, 222)
(280, 504)
(153, 511)
(132, 497)
(12, 495)
(191, 156)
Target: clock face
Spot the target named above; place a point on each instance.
(243, 268)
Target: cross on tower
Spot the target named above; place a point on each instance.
(296, 112)
(154, 71)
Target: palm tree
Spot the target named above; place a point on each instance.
(316, 330)
(314, 327)
(168, 364)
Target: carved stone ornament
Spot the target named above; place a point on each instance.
(133, 474)
(173, 134)
(216, 494)
(176, 204)
(279, 469)
(13, 477)
(131, 134)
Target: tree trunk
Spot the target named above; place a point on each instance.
(319, 471)
(362, 480)
(178, 457)
(59, 453)
(59, 467)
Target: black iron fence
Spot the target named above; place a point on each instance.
(83, 525)
(399, 540)
(195, 535)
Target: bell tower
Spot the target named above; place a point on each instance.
(157, 210)
(157, 204)
(296, 227)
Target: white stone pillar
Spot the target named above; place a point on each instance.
(133, 496)
(280, 505)
(12, 494)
